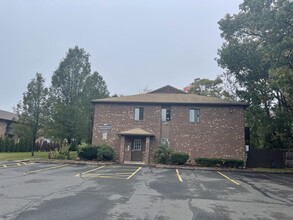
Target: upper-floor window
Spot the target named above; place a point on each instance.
(166, 114)
(194, 115)
(138, 114)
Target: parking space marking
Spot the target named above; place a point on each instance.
(48, 168)
(113, 172)
(178, 176)
(133, 173)
(228, 178)
(13, 165)
(89, 171)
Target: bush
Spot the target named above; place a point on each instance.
(233, 163)
(105, 153)
(179, 158)
(87, 152)
(163, 154)
(209, 162)
(62, 153)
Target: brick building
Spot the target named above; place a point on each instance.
(198, 125)
(6, 121)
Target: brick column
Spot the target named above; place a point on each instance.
(122, 148)
(147, 150)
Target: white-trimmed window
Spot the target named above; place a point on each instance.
(166, 114)
(194, 115)
(137, 145)
(138, 114)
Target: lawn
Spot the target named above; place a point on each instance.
(28, 155)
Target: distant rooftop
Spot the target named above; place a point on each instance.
(9, 116)
(169, 95)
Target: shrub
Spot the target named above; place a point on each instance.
(208, 162)
(87, 152)
(61, 153)
(163, 154)
(233, 163)
(179, 158)
(105, 153)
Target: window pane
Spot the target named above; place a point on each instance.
(168, 115)
(136, 114)
(137, 144)
(164, 114)
(140, 113)
(194, 115)
(191, 115)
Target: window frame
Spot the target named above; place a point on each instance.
(137, 145)
(165, 111)
(138, 114)
(194, 115)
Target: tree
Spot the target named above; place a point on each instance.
(32, 110)
(73, 87)
(258, 52)
(209, 87)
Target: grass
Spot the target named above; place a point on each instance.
(28, 155)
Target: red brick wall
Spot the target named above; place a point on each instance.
(220, 132)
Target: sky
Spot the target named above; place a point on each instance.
(133, 44)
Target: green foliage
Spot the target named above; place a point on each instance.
(257, 52)
(179, 158)
(73, 87)
(211, 162)
(105, 153)
(215, 88)
(62, 153)
(163, 154)
(8, 145)
(32, 110)
(87, 152)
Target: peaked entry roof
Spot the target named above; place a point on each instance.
(169, 95)
(135, 132)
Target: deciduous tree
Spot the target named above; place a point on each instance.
(258, 52)
(32, 110)
(73, 87)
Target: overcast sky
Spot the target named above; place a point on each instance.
(132, 43)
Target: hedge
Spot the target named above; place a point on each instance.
(179, 158)
(105, 153)
(209, 162)
(87, 152)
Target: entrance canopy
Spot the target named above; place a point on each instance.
(136, 132)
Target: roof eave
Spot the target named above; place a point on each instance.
(171, 103)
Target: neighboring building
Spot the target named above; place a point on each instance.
(198, 125)
(6, 121)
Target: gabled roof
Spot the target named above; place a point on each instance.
(135, 132)
(9, 116)
(168, 89)
(169, 95)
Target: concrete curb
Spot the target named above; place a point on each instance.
(162, 166)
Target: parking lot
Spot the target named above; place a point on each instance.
(62, 191)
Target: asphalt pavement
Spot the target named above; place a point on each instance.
(64, 191)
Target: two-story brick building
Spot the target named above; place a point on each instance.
(6, 121)
(198, 125)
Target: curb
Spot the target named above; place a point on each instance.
(162, 166)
